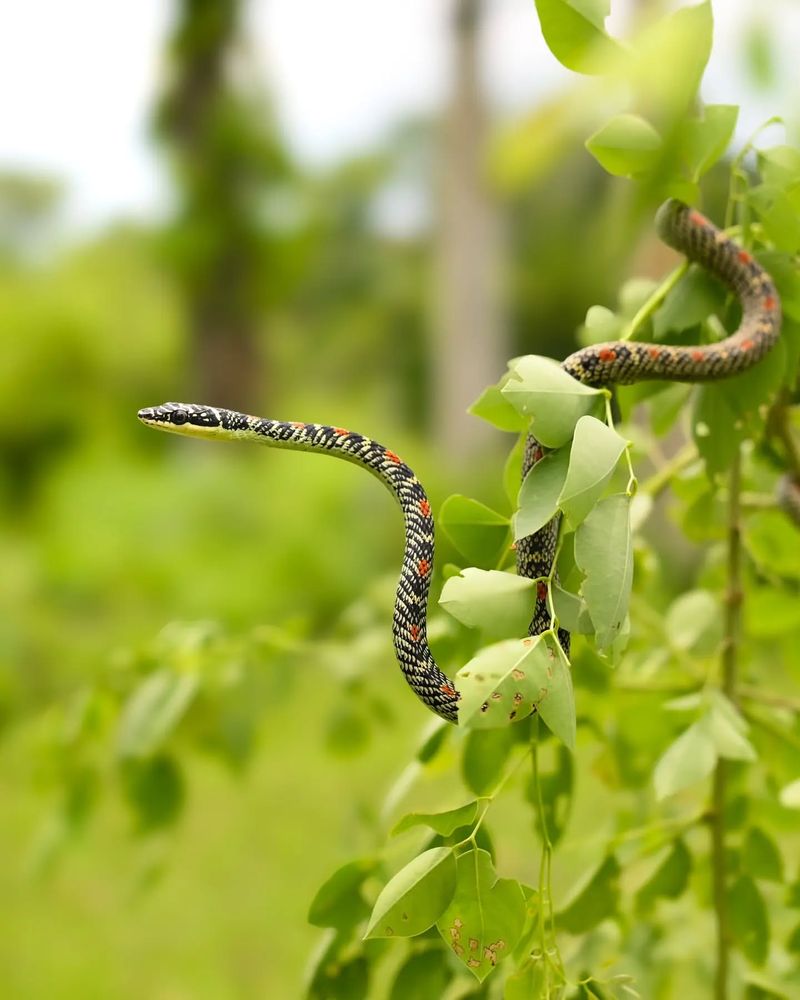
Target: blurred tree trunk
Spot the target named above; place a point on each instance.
(470, 348)
(223, 160)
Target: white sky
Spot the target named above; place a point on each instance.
(77, 79)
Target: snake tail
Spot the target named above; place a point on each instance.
(428, 682)
(623, 362)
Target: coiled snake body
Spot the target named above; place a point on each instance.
(601, 364)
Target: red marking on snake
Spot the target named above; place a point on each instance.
(747, 345)
(537, 454)
(425, 507)
(541, 590)
(769, 302)
(448, 690)
(423, 566)
(513, 546)
(608, 354)
(654, 352)
(745, 257)
(297, 423)
(391, 456)
(340, 431)
(413, 631)
(698, 218)
(697, 355)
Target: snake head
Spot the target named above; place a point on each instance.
(183, 418)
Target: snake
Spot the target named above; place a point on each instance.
(613, 363)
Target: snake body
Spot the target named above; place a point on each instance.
(622, 362)
(601, 364)
(411, 599)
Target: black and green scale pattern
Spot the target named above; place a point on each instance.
(411, 599)
(601, 364)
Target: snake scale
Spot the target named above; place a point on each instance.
(600, 364)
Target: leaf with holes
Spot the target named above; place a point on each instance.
(596, 449)
(500, 603)
(416, 897)
(485, 917)
(506, 681)
(540, 388)
(604, 553)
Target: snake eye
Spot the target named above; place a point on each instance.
(180, 417)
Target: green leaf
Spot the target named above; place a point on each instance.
(706, 139)
(493, 407)
(686, 761)
(485, 917)
(442, 822)
(555, 782)
(696, 297)
(626, 146)
(338, 902)
(600, 325)
(771, 612)
(779, 215)
(434, 738)
(424, 976)
(153, 711)
(595, 901)
(156, 790)
(716, 429)
(727, 729)
(771, 540)
(780, 166)
(693, 621)
(507, 681)
(790, 795)
(604, 552)
(416, 897)
(761, 857)
(573, 31)
(484, 757)
(529, 982)
(538, 497)
(512, 470)
(479, 533)
(333, 976)
(748, 919)
(572, 612)
(596, 449)
(540, 388)
(500, 603)
(670, 879)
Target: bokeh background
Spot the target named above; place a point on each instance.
(349, 213)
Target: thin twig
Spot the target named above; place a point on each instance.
(733, 606)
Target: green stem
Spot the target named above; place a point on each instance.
(733, 610)
(654, 301)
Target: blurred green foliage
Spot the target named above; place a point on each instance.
(198, 698)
